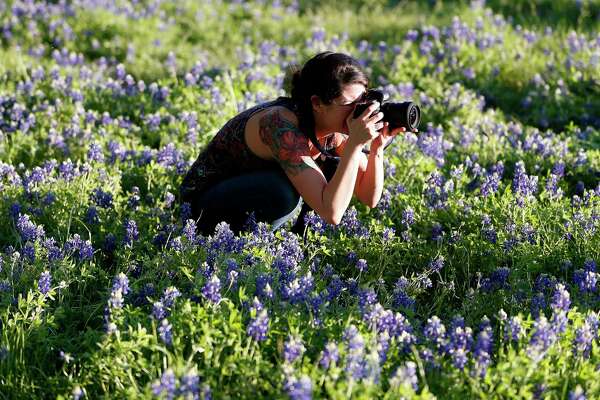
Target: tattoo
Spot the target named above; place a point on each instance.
(287, 143)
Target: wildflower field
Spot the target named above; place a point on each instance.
(476, 276)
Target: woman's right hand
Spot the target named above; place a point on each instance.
(364, 128)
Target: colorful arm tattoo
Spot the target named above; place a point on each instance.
(287, 143)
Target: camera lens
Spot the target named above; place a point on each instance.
(407, 115)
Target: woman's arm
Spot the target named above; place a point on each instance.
(369, 184)
(289, 146)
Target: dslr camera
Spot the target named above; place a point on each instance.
(406, 114)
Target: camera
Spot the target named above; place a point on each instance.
(406, 114)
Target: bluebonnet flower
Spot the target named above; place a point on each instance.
(483, 348)
(91, 216)
(435, 331)
(49, 198)
(524, 186)
(542, 338)
(224, 240)
(45, 282)
(355, 364)
(487, 230)
(166, 386)
(189, 231)
(577, 394)
(212, 289)
(293, 348)
(115, 301)
(561, 299)
(330, 355)
(403, 300)
(133, 201)
(83, 249)
(170, 294)
(189, 385)
(131, 232)
(459, 342)
(408, 217)
(437, 263)
(121, 282)
(334, 289)
(528, 234)
(29, 251)
(28, 230)
(552, 188)
(298, 388)
(361, 265)
(298, 289)
(545, 283)
(497, 280)
(366, 298)
(584, 336)
(585, 280)
(589, 265)
(388, 234)
(351, 224)
(538, 302)
(158, 310)
(437, 191)
(437, 232)
(490, 184)
(166, 332)
(259, 325)
(514, 329)
(263, 286)
(406, 375)
(101, 198)
(95, 153)
(175, 244)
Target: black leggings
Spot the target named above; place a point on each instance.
(268, 194)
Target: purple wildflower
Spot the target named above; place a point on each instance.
(166, 386)
(330, 355)
(437, 264)
(298, 389)
(514, 329)
(361, 265)
(28, 230)
(212, 289)
(166, 332)
(158, 310)
(131, 232)
(169, 296)
(293, 348)
(121, 282)
(561, 299)
(406, 375)
(45, 282)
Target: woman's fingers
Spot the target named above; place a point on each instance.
(366, 115)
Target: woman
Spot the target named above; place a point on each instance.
(263, 161)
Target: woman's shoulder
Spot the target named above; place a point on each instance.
(279, 115)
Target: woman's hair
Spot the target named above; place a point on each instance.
(323, 75)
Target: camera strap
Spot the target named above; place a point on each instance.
(327, 153)
(324, 153)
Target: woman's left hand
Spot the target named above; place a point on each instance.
(385, 135)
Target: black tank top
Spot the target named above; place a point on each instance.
(228, 155)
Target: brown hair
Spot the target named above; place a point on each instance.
(323, 75)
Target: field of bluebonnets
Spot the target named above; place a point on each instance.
(476, 276)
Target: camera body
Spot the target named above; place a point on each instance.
(406, 114)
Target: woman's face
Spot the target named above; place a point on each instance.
(330, 118)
